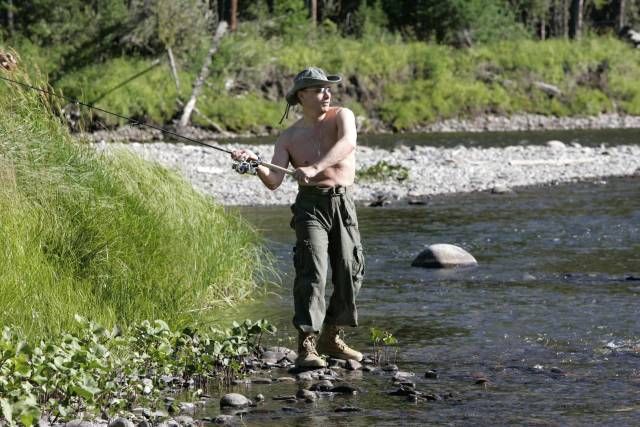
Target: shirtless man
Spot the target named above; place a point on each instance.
(321, 148)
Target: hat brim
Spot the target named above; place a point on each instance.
(292, 98)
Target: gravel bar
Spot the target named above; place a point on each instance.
(432, 170)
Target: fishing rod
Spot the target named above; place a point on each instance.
(239, 166)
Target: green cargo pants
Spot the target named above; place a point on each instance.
(326, 226)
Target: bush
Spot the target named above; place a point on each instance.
(107, 236)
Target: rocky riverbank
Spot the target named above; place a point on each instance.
(431, 170)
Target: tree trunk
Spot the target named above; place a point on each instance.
(174, 70)
(233, 15)
(577, 7)
(565, 18)
(10, 16)
(543, 29)
(204, 73)
(313, 6)
(621, 12)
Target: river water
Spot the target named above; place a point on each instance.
(549, 317)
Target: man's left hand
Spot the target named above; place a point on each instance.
(305, 173)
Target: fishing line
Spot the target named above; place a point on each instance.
(129, 119)
(239, 166)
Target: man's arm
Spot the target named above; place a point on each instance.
(346, 143)
(271, 179)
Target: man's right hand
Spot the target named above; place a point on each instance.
(243, 155)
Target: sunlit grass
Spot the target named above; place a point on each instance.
(108, 236)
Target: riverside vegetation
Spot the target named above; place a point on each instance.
(117, 240)
(397, 75)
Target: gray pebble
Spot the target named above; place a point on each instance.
(121, 422)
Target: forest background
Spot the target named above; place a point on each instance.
(405, 63)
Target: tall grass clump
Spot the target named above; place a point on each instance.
(107, 235)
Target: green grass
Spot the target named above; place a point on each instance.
(405, 84)
(110, 237)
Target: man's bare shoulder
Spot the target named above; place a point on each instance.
(344, 113)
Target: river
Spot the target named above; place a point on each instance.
(549, 317)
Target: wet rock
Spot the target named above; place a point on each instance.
(290, 409)
(379, 200)
(241, 381)
(369, 368)
(307, 395)
(144, 423)
(324, 377)
(234, 400)
(79, 423)
(348, 409)
(353, 365)
(367, 361)
(324, 385)
(304, 376)
(431, 374)
(417, 199)
(185, 420)
(444, 255)
(432, 396)
(225, 419)
(259, 397)
(344, 389)
(390, 367)
(286, 380)
(501, 189)
(187, 407)
(557, 371)
(632, 278)
(276, 354)
(480, 378)
(405, 383)
(336, 363)
(403, 391)
(121, 422)
(261, 380)
(402, 375)
(300, 369)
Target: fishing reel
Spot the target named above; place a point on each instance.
(246, 166)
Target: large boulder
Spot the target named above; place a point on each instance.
(444, 255)
(234, 400)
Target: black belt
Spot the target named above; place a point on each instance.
(338, 190)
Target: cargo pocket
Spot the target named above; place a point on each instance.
(348, 212)
(292, 223)
(303, 258)
(358, 264)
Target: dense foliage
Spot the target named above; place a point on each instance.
(107, 235)
(406, 63)
(101, 372)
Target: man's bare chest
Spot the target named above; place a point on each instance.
(308, 145)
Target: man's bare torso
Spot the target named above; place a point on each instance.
(306, 144)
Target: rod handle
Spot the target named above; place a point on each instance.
(276, 168)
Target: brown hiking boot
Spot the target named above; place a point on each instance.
(308, 356)
(331, 344)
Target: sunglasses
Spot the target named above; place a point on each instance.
(319, 90)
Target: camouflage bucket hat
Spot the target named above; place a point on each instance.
(310, 77)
